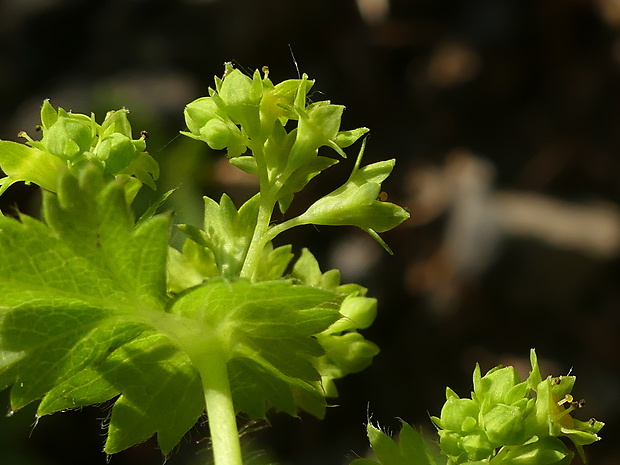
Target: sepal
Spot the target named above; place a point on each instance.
(30, 165)
(357, 202)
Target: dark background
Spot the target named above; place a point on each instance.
(476, 99)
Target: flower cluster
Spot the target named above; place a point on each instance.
(510, 421)
(70, 140)
(246, 115)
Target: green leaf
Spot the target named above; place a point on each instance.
(227, 232)
(274, 262)
(23, 163)
(410, 449)
(83, 319)
(267, 330)
(162, 393)
(79, 295)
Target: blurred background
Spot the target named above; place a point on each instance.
(504, 118)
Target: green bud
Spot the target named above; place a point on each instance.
(245, 163)
(217, 134)
(504, 424)
(116, 151)
(209, 123)
(358, 312)
(239, 97)
(501, 384)
(350, 352)
(198, 113)
(70, 136)
(450, 443)
(48, 114)
(116, 122)
(456, 411)
(236, 90)
(477, 446)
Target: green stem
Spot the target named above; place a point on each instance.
(280, 228)
(265, 211)
(220, 410)
(262, 237)
(258, 238)
(208, 354)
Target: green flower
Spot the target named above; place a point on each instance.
(68, 141)
(509, 421)
(552, 415)
(211, 125)
(244, 112)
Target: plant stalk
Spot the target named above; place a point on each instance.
(220, 410)
(258, 239)
(267, 204)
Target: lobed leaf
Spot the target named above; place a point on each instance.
(75, 292)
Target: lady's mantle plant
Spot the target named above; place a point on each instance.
(95, 305)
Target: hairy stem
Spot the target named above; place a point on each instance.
(209, 355)
(220, 410)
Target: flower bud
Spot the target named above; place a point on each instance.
(70, 136)
(504, 424)
(116, 151)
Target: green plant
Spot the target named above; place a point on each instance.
(96, 305)
(506, 421)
